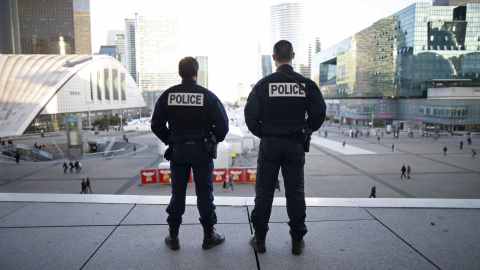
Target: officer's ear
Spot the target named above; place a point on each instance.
(293, 55)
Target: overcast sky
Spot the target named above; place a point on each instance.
(229, 31)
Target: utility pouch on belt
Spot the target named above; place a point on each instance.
(168, 152)
(210, 145)
(304, 137)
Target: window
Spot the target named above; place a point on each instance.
(446, 38)
(432, 38)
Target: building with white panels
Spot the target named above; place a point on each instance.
(38, 92)
(157, 42)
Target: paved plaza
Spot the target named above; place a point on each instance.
(331, 170)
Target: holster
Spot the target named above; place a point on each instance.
(304, 137)
(210, 145)
(168, 152)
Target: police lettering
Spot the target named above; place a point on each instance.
(285, 90)
(185, 99)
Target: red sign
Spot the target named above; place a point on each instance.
(219, 175)
(237, 175)
(191, 178)
(148, 176)
(164, 175)
(250, 175)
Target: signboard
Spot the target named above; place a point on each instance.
(164, 176)
(219, 175)
(250, 175)
(149, 176)
(72, 122)
(237, 175)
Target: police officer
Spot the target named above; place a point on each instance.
(195, 116)
(275, 112)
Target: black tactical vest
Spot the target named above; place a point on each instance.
(186, 112)
(286, 102)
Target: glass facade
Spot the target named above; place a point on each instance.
(46, 27)
(398, 56)
(288, 21)
(401, 57)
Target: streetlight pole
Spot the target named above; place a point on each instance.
(373, 128)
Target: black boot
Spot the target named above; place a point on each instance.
(258, 243)
(298, 246)
(211, 238)
(172, 239)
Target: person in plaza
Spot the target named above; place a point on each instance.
(277, 185)
(393, 147)
(461, 145)
(373, 193)
(343, 144)
(474, 153)
(134, 149)
(84, 187)
(197, 122)
(88, 188)
(17, 157)
(71, 167)
(378, 139)
(469, 141)
(229, 182)
(445, 150)
(65, 167)
(408, 171)
(275, 112)
(403, 171)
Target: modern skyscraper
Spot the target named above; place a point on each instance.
(45, 27)
(157, 51)
(417, 69)
(290, 21)
(202, 78)
(130, 54)
(117, 38)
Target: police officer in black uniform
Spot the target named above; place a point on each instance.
(283, 110)
(197, 121)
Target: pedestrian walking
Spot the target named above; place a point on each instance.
(89, 187)
(79, 167)
(403, 171)
(445, 150)
(17, 157)
(393, 147)
(65, 167)
(343, 144)
(76, 166)
(373, 193)
(277, 117)
(229, 183)
(461, 145)
(408, 171)
(197, 122)
(71, 167)
(225, 185)
(474, 153)
(378, 139)
(134, 149)
(469, 141)
(84, 187)
(277, 185)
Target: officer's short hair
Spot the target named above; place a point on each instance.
(283, 51)
(187, 67)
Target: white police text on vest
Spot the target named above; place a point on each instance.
(185, 99)
(285, 90)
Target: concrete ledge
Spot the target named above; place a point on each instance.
(244, 201)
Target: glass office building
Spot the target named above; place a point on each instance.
(45, 27)
(392, 69)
